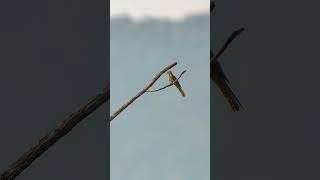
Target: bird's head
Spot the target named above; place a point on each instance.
(169, 72)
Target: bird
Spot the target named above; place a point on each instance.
(221, 80)
(172, 79)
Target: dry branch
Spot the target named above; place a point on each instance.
(168, 84)
(229, 40)
(227, 43)
(54, 135)
(145, 89)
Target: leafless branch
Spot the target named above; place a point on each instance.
(54, 135)
(227, 43)
(145, 89)
(168, 84)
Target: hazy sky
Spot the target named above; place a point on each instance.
(173, 9)
(161, 135)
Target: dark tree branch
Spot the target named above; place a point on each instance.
(229, 40)
(125, 105)
(54, 135)
(168, 84)
(227, 43)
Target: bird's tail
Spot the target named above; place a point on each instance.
(181, 92)
(229, 95)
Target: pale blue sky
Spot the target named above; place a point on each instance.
(161, 135)
(173, 9)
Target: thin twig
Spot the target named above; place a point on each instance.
(54, 135)
(168, 84)
(227, 43)
(125, 105)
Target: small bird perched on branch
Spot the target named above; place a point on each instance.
(218, 76)
(172, 79)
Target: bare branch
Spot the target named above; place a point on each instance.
(227, 43)
(54, 135)
(125, 105)
(168, 84)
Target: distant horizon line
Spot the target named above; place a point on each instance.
(155, 17)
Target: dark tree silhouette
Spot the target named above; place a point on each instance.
(54, 135)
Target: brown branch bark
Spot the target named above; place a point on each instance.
(125, 105)
(168, 84)
(54, 135)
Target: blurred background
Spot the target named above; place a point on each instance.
(162, 135)
(140, 9)
(274, 69)
(54, 58)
